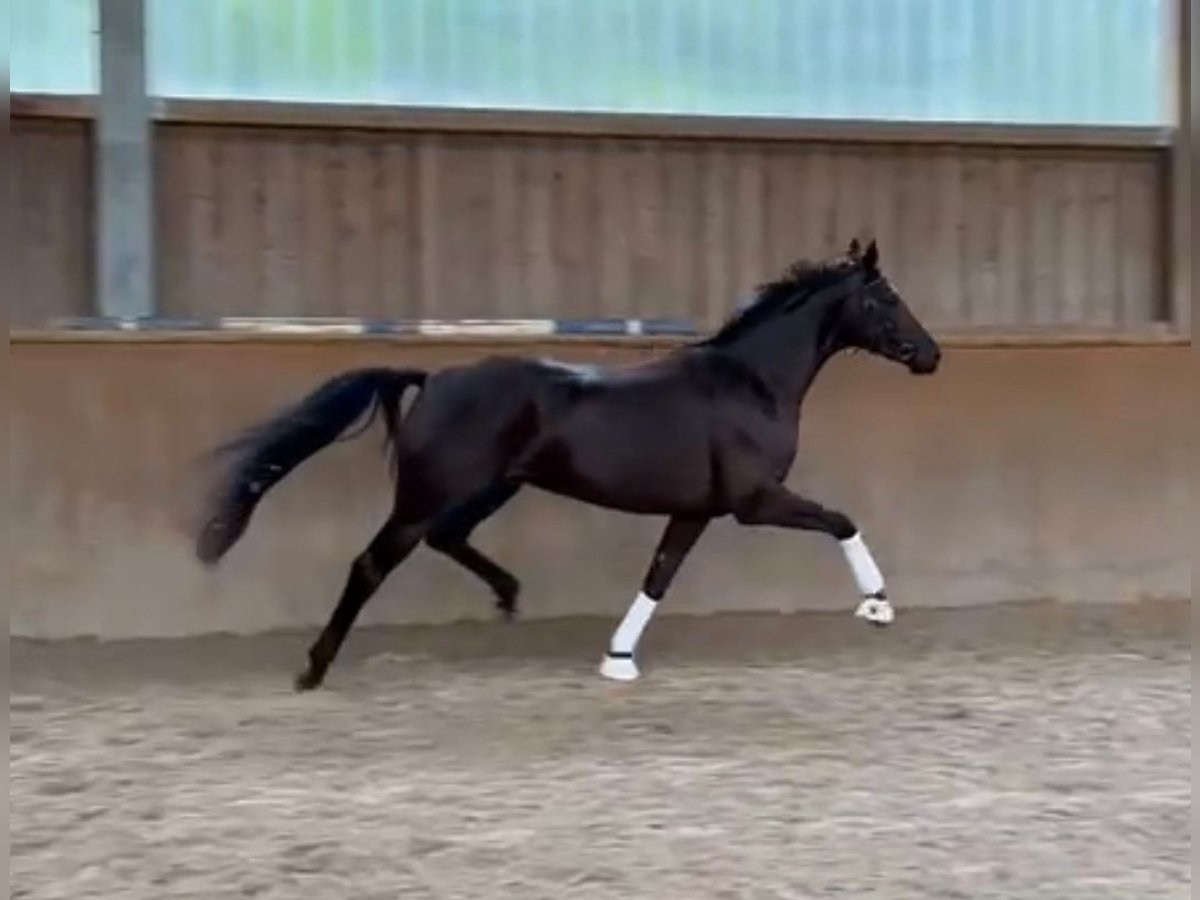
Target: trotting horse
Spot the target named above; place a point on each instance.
(709, 430)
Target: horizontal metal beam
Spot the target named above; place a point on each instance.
(658, 333)
(401, 118)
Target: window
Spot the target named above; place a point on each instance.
(53, 46)
(1033, 61)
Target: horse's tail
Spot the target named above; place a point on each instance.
(269, 451)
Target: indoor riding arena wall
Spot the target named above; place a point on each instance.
(1015, 473)
(402, 220)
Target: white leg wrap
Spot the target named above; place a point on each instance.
(862, 564)
(875, 606)
(629, 632)
(618, 663)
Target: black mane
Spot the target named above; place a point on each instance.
(800, 281)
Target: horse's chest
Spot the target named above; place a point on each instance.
(772, 442)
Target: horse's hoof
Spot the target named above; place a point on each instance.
(619, 668)
(307, 680)
(878, 612)
(507, 592)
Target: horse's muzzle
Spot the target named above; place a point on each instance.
(921, 360)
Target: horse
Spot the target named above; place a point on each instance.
(706, 431)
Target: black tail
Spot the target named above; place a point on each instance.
(268, 452)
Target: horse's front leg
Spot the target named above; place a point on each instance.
(776, 505)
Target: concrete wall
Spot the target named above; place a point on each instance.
(1014, 474)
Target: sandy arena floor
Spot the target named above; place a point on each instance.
(1009, 753)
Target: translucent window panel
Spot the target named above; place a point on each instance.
(53, 46)
(1038, 61)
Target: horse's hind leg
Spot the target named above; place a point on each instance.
(451, 533)
(676, 543)
(390, 547)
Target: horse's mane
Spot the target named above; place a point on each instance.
(798, 282)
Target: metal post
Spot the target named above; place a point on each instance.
(124, 167)
(1180, 45)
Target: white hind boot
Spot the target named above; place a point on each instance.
(618, 663)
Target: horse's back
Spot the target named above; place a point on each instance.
(638, 438)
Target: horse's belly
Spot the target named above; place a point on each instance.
(642, 473)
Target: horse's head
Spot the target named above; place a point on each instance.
(876, 318)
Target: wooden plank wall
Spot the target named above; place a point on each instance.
(326, 221)
(52, 220)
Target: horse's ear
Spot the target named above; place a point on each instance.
(870, 259)
(855, 249)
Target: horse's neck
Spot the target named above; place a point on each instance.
(788, 354)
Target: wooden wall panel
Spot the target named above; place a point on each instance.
(327, 221)
(52, 221)
(284, 221)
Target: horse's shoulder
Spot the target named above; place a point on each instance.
(721, 373)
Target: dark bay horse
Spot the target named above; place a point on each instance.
(707, 431)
